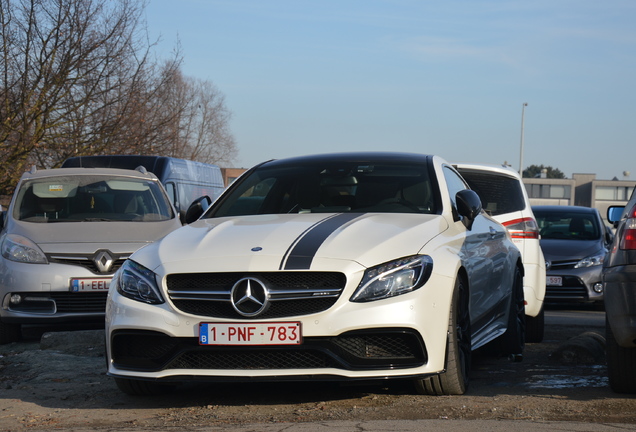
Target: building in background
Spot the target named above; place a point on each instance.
(231, 174)
(581, 190)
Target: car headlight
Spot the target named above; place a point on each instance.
(137, 282)
(394, 278)
(594, 260)
(20, 249)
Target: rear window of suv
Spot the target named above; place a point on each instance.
(499, 194)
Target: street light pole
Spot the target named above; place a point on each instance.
(523, 111)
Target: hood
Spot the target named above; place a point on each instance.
(560, 250)
(67, 236)
(291, 241)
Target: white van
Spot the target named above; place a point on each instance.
(184, 180)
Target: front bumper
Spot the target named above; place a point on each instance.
(398, 337)
(371, 349)
(534, 288)
(577, 285)
(620, 303)
(46, 295)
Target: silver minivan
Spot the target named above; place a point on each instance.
(65, 233)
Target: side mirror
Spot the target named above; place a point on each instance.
(614, 214)
(468, 206)
(197, 208)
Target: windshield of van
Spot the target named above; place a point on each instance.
(91, 198)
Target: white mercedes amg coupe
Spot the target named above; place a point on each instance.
(350, 266)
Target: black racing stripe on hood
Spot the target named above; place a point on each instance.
(305, 247)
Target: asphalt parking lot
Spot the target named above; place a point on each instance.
(57, 380)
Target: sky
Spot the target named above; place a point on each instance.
(438, 77)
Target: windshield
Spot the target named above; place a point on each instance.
(331, 188)
(567, 225)
(91, 198)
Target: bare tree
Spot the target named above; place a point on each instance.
(200, 128)
(75, 77)
(79, 78)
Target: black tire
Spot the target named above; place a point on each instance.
(135, 387)
(535, 327)
(513, 340)
(454, 381)
(621, 363)
(10, 333)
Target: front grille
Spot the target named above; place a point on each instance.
(277, 310)
(563, 265)
(370, 349)
(384, 346)
(255, 359)
(290, 293)
(86, 262)
(69, 302)
(61, 302)
(572, 289)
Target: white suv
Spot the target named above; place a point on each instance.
(504, 197)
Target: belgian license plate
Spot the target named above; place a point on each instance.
(554, 281)
(269, 333)
(90, 284)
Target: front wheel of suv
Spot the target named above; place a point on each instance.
(621, 363)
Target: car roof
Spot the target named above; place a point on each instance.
(59, 172)
(561, 209)
(499, 169)
(356, 157)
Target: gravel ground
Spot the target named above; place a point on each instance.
(59, 381)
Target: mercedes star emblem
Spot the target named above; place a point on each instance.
(250, 297)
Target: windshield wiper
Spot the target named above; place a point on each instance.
(63, 220)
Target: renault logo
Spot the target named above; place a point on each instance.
(104, 261)
(250, 297)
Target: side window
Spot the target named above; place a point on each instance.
(500, 194)
(454, 183)
(171, 193)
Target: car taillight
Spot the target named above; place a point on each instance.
(525, 228)
(629, 235)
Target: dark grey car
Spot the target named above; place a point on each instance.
(574, 241)
(619, 277)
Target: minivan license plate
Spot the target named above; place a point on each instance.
(90, 284)
(270, 333)
(554, 281)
